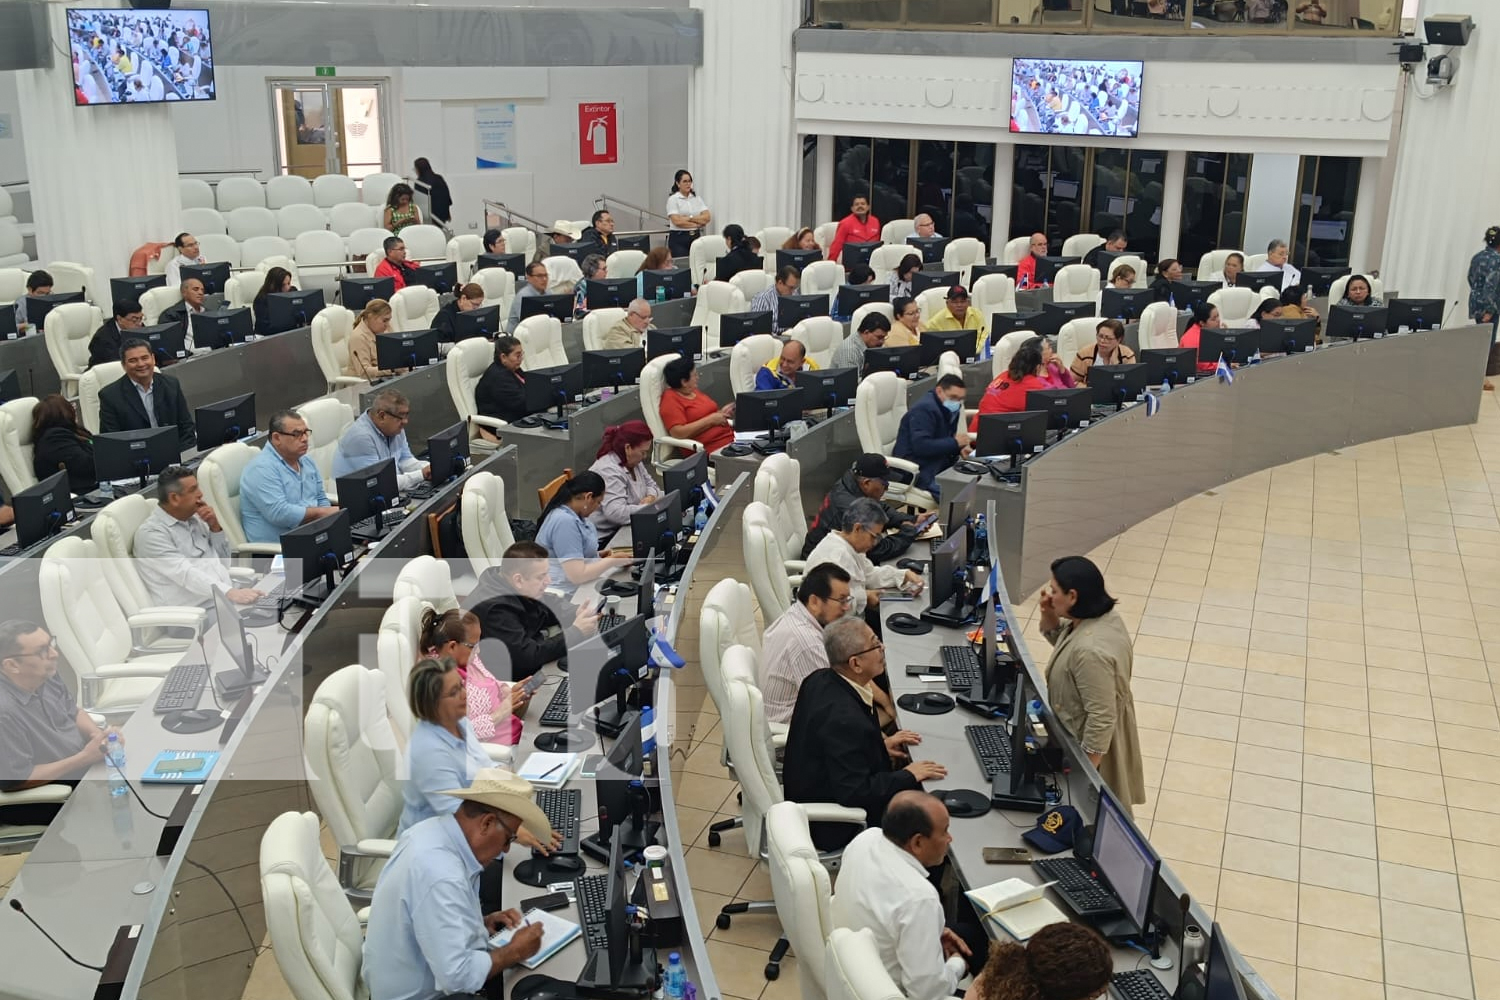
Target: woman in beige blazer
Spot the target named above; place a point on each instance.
(1088, 677)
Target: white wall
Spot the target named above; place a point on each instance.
(1273, 195)
(12, 151)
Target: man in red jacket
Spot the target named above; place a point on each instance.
(859, 226)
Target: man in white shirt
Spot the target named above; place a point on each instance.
(187, 253)
(924, 228)
(864, 524)
(793, 646)
(884, 885)
(180, 550)
(1276, 260)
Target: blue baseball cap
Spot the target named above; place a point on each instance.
(1054, 830)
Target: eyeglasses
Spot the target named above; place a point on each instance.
(510, 834)
(299, 435)
(399, 416)
(48, 650)
(878, 645)
(846, 600)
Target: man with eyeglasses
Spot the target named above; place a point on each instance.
(282, 488)
(864, 525)
(870, 477)
(45, 738)
(188, 252)
(378, 434)
(793, 645)
(428, 936)
(180, 549)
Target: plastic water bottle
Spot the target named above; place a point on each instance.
(114, 754)
(1166, 385)
(676, 977)
(700, 519)
(648, 730)
(981, 539)
(661, 293)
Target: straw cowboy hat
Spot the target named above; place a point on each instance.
(564, 228)
(501, 789)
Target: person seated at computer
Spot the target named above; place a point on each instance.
(180, 550)
(1167, 271)
(930, 434)
(835, 748)
(377, 434)
(848, 547)
(803, 239)
(1296, 303)
(1123, 276)
(1088, 676)
(494, 241)
(536, 284)
(518, 624)
(104, 346)
(1054, 372)
(145, 398)
(691, 414)
(628, 486)
(1108, 348)
(48, 738)
(494, 708)
(869, 478)
(739, 258)
(469, 298)
(374, 319)
(1264, 309)
(1357, 292)
(501, 390)
(792, 649)
(281, 487)
(568, 533)
(278, 279)
(629, 330)
(1278, 256)
(1062, 961)
(906, 331)
(1205, 317)
(657, 259)
(601, 230)
(193, 303)
(38, 282)
(786, 282)
(781, 371)
(593, 268)
(1234, 266)
(873, 329)
(859, 226)
(957, 315)
(395, 265)
(188, 252)
(561, 234)
(1115, 242)
(1026, 267)
(900, 279)
(924, 228)
(1007, 393)
(400, 210)
(61, 444)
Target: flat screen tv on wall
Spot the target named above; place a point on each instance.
(123, 56)
(1076, 97)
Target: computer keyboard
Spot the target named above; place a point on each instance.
(422, 491)
(991, 746)
(564, 807)
(1078, 887)
(556, 712)
(1138, 985)
(182, 688)
(609, 620)
(961, 665)
(271, 599)
(592, 892)
(389, 521)
(9, 551)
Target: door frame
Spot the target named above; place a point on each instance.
(333, 151)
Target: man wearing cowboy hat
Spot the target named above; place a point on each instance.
(562, 231)
(427, 937)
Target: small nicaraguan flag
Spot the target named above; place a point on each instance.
(1153, 404)
(986, 349)
(708, 494)
(1223, 372)
(662, 653)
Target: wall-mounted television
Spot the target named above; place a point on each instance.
(124, 56)
(1076, 97)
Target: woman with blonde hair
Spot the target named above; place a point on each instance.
(373, 320)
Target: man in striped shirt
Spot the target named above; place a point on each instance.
(793, 646)
(787, 280)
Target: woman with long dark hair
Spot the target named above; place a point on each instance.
(437, 190)
(1059, 962)
(400, 210)
(569, 535)
(628, 485)
(60, 443)
(278, 279)
(686, 212)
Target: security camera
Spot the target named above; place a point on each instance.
(1441, 71)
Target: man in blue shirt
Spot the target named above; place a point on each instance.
(282, 488)
(930, 433)
(781, 372)
(427, 936)
(787, 280)
(378, 434)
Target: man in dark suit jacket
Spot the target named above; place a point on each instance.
(835, 750)
(122, 403)
(931, 433)
(104, 348)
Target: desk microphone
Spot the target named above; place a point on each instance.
(15, 904)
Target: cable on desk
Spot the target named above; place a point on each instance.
(256, 949)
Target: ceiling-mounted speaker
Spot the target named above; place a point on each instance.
(151, 4)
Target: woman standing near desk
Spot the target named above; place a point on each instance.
(62, 444)
(686, 212)
(1088, 676)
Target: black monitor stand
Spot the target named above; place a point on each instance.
(635, 831)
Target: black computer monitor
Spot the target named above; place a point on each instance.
(930, 248)
(1287, 336)
(1172, 365)
(981, 270)
(950, 561)
(214, 275)
(857, 253)
(38, 306)
(686, 341)
(923, 280)
(610, 293)
(1104, 260)
(769, 411)
(357, 291)
(904, 361)
(577, 250)
(1002, 323)
(1357, 322)
(135, 286)
(615, 367)
(42, 510)
(1125, 863)
(961, 342)
(10, 385)
(8, 329)
(1259, 280)
(1318, 280)
(1125, 304)
(1236, 346)
(961, 512)
(168, 341)
(1047, 267)
(1221, 981)
(1019, 435)
(645, 599)
(227, 420)
(1056, 314)
(1186, 294)
(657, 527)
(631, 241)
(559, 307)
(369, 492)
(735, 327)
(1017, 788)
(829, 388)
(515, 263)
(687, 479)
(553, 387)
(1414, 314)
(246, 673)
(851, 297)
(222, 327)
(797, 258)
(318, 550)
(448, 453)
(677, 281)
(406, 349)
(121, 456)
(441, 276)
(1116, 385)
(293, 310)
(482, 321)
(793, 309)
(1065, 408)
(727, 267)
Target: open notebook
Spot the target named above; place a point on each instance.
(557, 933)
(1019, 907)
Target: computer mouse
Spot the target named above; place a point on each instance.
(191, 721)
(915, 565)
(937, 700)
(539, 987)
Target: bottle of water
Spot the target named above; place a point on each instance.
(661, 293)
(114, 755)
(700, 519)
(676, 977)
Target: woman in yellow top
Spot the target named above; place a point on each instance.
(374, 320)
(906, 331)
(400, 211)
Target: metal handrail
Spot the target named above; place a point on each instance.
(605, 201)
(505, 213)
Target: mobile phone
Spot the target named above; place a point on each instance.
(591, 765)
(182, 765)
(599, 608)
(1006, 856)
(549, 902)
(534, 683)
(922, 670)
(926, 522)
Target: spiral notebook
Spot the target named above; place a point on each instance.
(556, 933)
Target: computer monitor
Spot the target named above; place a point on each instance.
(553, 387)
(1019, 435)
(1413, 314)
(615, 367)
(1002, 323)
(657, 528)
(214, 275)
(1287, 336)
(1125, 862)
(1125, 304)
(42, 510)
(923, 280)
(961, 512)
(631, 241)
(1172, 365)
(1104, 260)
(906, 362)
(610, 293)
(318, 549)
(645, 599)
(1047, 267)
(857, 253)
(357, 291)
(10, 385)
(369, 492)
(515, 263)
(1258, 280)
(950, 561)
(687, 479)
(1015, 788)
(686, 341)
(168, 341)
(980, 270)
(769, 411)
(1357, 322)
(577, 250)
(1056, 314)
(122, 456)
(227, 420)
(1116, 385)
(222, 327)
(1318, 280)
(828, 388)
(797, 258)
(448, 453)
(440, 276)
(135, 286)
(851, 297)
(1065, 408)
(8, 329)
(406, 349)
(793, 309)
(1221, 981)
(1235, 346)
(38, 306)
(559, 307)
(735, 327)
(677, 281)
(293, 310)
(1187, 294)
(246, 673)
(929, 247)
(936, 343)
(483, 322)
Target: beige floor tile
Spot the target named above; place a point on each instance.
(716, 872)
(1201, 811)
(1185, 843)
(740, 971)
(788, 986)
(1264, 790)
(1268, 761)
(1477, 859)
(1340, 952)
(1424, 887)
(1338, 836)
(1426, 969)
(1412, 815)
(1339, 871)
(1262, 823)
(1416, 850)
(1281, 977)
(1259, 894)
(266, 981)
(1260, 857)
(1336, 773)
(1345, 911)
(1486, 977)
(1257, 936)
(1338, 803)
(1201, 881)
(1423, 925)
(1338, 746)
(1326, 986)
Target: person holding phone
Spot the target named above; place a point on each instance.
(869, 477)
(517, 624)
(495, 709)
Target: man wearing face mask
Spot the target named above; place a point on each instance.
(930, 434)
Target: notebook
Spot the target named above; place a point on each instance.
(556, 933)
(1017, 906)
(549, 770)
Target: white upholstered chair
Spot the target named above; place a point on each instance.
(250, 221)
(1006, 349)
(821, 335)
(801, 888)
(464, 249)
(16, 444)
(596, 324)
(1015, 250)
(715, 298)
(766, 560)
(961, 255)
(1158, 326)
(219, 475)
(664, 446)
(429, 579)
(1080, 244)
(425, 243)
(1076, 283)
(331, 190)
(484, 521)
(315, 936)
(289, 189)
(294, 220)
(239, 192)
(1235, 304)
(1337, 286)
(67, 332)
(327, 418)
(879, 406)
(778, 485)
(748, 357)
(994, 293)
(375, 188)
(541, 338)
(414, 308)
(624, 263)
(702, 254)
(751, 283)
(466, 365)
(1212, 263)
(331, 328)
(853, 969)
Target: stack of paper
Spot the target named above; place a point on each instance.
(1017, 906)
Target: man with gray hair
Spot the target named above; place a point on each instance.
(631, 329)
(378, 434)
(180, 550)
(864, 525)
(924, 228)
(194, 302)
(1277, 253)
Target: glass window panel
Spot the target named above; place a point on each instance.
(851, 172)
(974, 191)
(1138, 15)
(949, 13)
(1148, 172)
(1108, 205)
(1213, 203)
(1062, 11)
(1324, 228)
(1028, 197)
(935, 183)
(890, 162)
(1065, 206)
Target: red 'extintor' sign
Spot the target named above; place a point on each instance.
(598, 134)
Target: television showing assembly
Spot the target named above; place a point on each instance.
(123, 56)
(1076, 97)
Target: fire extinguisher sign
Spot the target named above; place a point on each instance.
(598, 134)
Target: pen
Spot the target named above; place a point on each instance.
(550, 773)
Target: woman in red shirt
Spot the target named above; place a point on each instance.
(1205, 317)
(690, 414)
(1007, 394)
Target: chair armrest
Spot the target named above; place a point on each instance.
(905, 465)
(480, 420)
(362, 915)
(798, 566)
(688, 443)
(831, 812)
(168, 616)
(98, 720)
(40, 795)
(339, 381)
(140, 668)
(243, 575)
(373, 847)
(778, 735)
(258, 549)
(499, 754)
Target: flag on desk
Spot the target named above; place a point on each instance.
(1153, 403)
(986, 349)
(1223, 373)
(662, 653)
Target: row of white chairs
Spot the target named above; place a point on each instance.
(324, 191)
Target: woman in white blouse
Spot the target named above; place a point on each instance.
(687, 212)
(628, 485)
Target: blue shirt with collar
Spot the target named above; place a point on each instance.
(566, 536)
(274, 497)
(364, 444)
(436, 761)
(426, 937)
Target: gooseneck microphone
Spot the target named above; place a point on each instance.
(15, 904)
